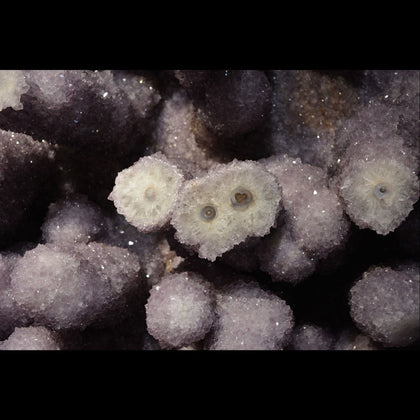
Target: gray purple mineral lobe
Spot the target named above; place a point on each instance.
(26, 168)
(179, 136)
(229, 102)
(140, 92)
(146, 192)
(249, 318)
(73, 219)
(180, 309)
(313, 210)
(90, 110)
(281, 257)
(313, 223)
(72, 286)
(223, 208)
(384, 304)
(399, 91)
(31, 338)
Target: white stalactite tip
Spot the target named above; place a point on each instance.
(221, 209)
(379, 194)
(145, 193)
(12, 86)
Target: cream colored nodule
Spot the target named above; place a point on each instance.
(379, 194)
(208, 217)
(145, 193)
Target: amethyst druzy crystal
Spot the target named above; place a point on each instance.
(209, 209)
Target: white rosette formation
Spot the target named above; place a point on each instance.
(379, 194)
(378, 170)
(221, 209)
(145, 193)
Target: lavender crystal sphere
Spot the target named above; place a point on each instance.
(180, 310)
(384, 303)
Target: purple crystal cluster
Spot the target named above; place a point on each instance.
(209, 210)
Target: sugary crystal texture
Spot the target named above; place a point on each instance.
(249, 318)
(73, 285)
(180, 309)
(31, 338)
(146, 192)
(74, 219)
(385, 304)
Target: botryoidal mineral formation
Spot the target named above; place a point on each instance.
(397, 297)
(209, 210)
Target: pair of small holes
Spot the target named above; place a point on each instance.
(240, 198)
